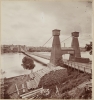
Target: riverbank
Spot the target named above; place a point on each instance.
(73, 80)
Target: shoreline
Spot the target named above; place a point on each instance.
(72, 76)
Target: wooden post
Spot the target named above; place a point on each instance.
(57, 91)
(17, 89)
(91, 71)
(74, 66)
(84, 69)
(68, 65)
(71, 66)
(78, 69)
(64, 44)
(23, 88)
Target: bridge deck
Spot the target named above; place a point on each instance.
(85, 67)
(79, 66)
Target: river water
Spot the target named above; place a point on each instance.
(11, 63)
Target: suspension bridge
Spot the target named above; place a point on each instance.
(56, 64)
(75, 60)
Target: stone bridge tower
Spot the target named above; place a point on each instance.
(56, 54)
(75, 46)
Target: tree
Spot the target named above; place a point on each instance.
(88, 47)
(28, 63)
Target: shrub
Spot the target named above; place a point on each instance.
(28, 63)
(52, 78)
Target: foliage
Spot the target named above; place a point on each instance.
(86, 94)
(52, 78)
(73, 80)
(88, 47)
(4, 87)
(28, 63)
(56, 96)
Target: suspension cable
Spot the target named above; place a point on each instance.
(65, 39)
(47, 41)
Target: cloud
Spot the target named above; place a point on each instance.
(32, 22)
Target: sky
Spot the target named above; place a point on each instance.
(31, 22)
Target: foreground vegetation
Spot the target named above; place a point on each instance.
(59, 87)
(66, 84)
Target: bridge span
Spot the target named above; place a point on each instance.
(84, 67)
(75, 60)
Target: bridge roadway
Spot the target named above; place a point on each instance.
(85, 67)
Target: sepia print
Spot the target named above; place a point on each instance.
(46, 49)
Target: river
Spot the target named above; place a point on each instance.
(11, 63)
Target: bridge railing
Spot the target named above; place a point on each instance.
(86, 68)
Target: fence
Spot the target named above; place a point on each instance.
(86, 68)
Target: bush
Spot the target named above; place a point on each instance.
(28, 63)
(52, 78)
